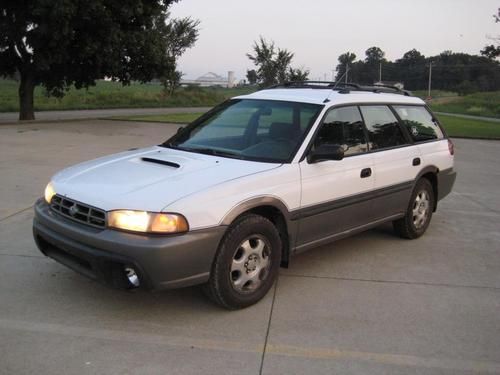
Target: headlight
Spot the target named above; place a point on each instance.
(151, 222)
(49, 192)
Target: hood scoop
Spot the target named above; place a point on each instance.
(162, 162)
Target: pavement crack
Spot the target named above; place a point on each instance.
(16, 213)
(268, 327)
(391, 281)
(22, 256)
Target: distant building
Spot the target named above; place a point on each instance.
(211, 79)
(399, 85)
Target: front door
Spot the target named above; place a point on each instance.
(336, 194)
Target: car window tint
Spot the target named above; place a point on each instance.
(382, 126)
(419, 122)
(343, 126)
(263, 130)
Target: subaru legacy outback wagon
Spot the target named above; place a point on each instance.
(232, 196)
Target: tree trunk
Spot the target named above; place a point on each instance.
(26, 90)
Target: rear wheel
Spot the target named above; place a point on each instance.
(419, 212)
(246, 263)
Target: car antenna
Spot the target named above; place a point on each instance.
(327, 99)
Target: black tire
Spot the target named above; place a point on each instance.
(419, 212)
(251, 248)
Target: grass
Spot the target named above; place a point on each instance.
(467, 128)
(455, 126)
(107, 94)
(485, 104)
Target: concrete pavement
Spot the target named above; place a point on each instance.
(369, 304)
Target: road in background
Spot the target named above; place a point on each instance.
(491, 119)
(370, 304)
(12, 117)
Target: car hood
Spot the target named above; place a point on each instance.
(149, 179)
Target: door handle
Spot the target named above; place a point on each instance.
(416, 162)
(367, 172)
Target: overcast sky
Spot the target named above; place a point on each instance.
(318, 31)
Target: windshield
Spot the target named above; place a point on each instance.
(259, 130)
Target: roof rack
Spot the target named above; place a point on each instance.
(343, 87)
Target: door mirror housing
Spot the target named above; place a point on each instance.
(326, 152)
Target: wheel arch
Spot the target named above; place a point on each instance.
(275, 211)
(430, 173)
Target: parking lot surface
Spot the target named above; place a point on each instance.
(369, 304)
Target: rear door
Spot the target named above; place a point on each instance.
(335, 193)
(397, 161)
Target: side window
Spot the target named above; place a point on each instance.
(419, 123)
(382, 126)
(343, 126)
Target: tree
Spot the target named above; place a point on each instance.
(491, 51)
(59, 43)
(298, 74)
(180, 34)
(374, 55)
(411, 70)
(345, 62)
(273, 64)
(252, 77)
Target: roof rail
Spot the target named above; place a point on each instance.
(345, 87)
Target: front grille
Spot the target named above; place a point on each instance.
(79, 212)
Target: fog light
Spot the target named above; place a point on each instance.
(132, 277)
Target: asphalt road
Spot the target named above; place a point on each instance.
(369, 304)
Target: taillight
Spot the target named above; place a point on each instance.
(451, 147)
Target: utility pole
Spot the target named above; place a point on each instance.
(346, 71)
(430, 79)
(380, 72)
(333, 75)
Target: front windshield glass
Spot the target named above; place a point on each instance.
(259, 130)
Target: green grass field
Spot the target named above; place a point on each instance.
(113, 95)
(467, 128)
(455, 126)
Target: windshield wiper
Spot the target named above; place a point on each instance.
(211, 151)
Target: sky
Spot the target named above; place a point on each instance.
(318, 31)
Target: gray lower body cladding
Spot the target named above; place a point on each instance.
(446, 180)
(162, 262)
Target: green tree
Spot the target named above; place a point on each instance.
(59, 43)
(298, 74)
(179, 34)
(411, 70)
(374, 55)
(252, 77)
(273, 64)
(493, 51)
(346, 60)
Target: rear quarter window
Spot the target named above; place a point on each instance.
(419, 122)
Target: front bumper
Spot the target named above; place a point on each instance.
(162, 262)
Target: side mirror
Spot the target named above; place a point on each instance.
(179, 129)
(326, 152)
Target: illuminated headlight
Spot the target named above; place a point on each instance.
(49, 192)
(150, 222)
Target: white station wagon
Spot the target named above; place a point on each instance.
(257, 179)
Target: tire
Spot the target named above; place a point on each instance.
(419, 212)
(246, 263)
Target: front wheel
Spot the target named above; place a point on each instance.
(419, 212)
(246, 264)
